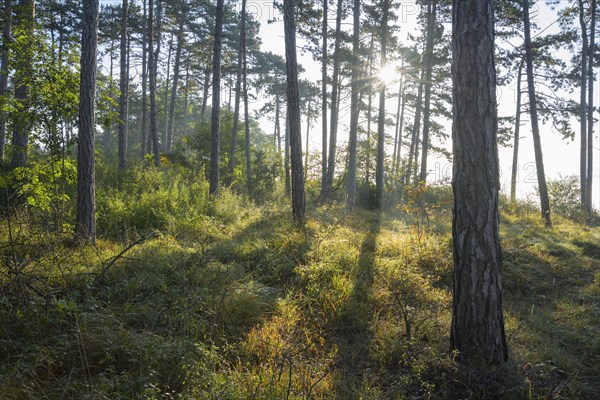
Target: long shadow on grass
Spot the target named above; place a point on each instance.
(353, 327)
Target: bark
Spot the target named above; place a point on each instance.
(582, 106)
(354, 108)
(277, 125)
(238, 90)
(414, 143)
(590, 123)
(515, 160)
(21, 124)
(144, 116)
(176, 68)
(307, 140)
(535, 129)
(123, 88)
(328, 184)
(286, 152)
(6, 39)
(432, 15)
(397, 128)
(379, 181)
(85, 227)
(246, 114)
(205, 89)
(216, 102)
(398, 156)
(293, 97)
(167, 84)
(152, 63)
(324, 97)
(477, 330)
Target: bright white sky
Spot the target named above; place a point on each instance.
(561, 158)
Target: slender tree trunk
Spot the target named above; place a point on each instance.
(379, 178)
(432, 17)
(6, 40)
(398, 157)
(111, 93)
(477, 330)
(216, 102)
(286, 152)
(167, 85)
(123, 88)
(277, 126)
(324, 33)
(246, 111)
(582, 106)
(590, 122)
(85, 227)
(144, 116)
(176, 68)
(21, 124)
(354, 107)
(186, 101)
(152, 75)
(414, 144)
(397, 128)
(515, 160)
(328, 186)
(238, 91)
(369, 111)
(537, 143)
(205, 89)
(307, 140)
(293, 97)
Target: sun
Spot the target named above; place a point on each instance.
(389, 74)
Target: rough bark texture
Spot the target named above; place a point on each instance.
(176, 68)
(123, 88)
(324, 32)
(590, 123)
(85, 227)
(335, 107)
(477, 330)
(535, 129)
(238, 91)
(144, 116)
(293, 97)
(515, 160)
(215, 142)
(431, 23)
(5, 71)
(21, 124)
(353, 139)
(381, 119)
(582, 106)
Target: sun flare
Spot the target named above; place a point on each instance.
(389, 74)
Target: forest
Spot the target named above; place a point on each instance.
(299, 199)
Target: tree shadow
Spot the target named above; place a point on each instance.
(353, 329)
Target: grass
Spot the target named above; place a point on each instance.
(231, 301)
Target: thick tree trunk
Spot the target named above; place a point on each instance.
(431, 22)
(6, 39)
(379, 172)
(216, 102)
(21, 125)
(582, 106)
(590, 123)
(123, 88)
(535, 129)
(152, 63)
(85, 227)
(477, 330)
(238, 91)
(324, 139)
(354, 107)
(176, 68)
(515, 160)
(293, 97)
(144, 116)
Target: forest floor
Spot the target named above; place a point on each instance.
(231, 301)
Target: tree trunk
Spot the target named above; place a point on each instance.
(123, 88)
(277, 126)
(293, 97)
(397, 128)
(216, 102)
(324, 98)
(205, 89)
(477, 330)
(431, 19)
(515, 160)
(246, 111)
(354, 107)
(307, 140)
(379, 172)
(85, 227)
(414, 144)
(21, 124)
(152, 63)
(6, 39)
(535, 130)
(590, 122)
(144, 117)
(286, 152)
(398, 156)
(582, 106)
(238, 91)
(328, 186)
(176, 68)
(167, 84)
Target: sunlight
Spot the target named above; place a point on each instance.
(389, 74)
